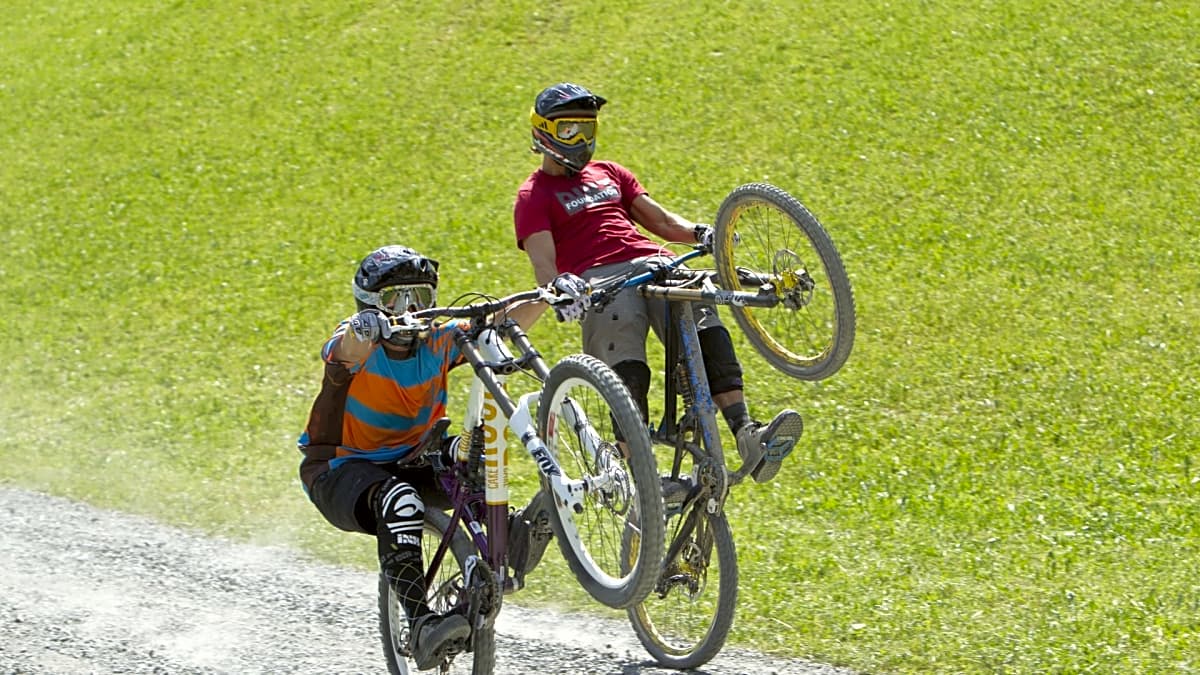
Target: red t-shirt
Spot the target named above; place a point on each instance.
(588, 215)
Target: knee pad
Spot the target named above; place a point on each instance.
(720, 363)
(399, 514)
(636, 376)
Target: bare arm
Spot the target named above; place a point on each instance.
(347, 349)
(539, 246)
(670, 226)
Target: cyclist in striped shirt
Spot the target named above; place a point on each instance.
(382, 393)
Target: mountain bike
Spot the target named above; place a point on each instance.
(778, 272)
(607, 500)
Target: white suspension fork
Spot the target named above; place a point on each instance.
(568, 494)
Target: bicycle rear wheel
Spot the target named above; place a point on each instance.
(585, 405)
(685, 620)
(764, 235)
(445, 593)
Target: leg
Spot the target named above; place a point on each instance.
(636, 376)
(723, 370)
(400, 515)
(617, 332)
(762, 447)
(365, 497)
(616, 335)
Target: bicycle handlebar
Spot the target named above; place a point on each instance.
(482, 310)
(479, 311)
(602, 295)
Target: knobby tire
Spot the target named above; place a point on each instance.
(761, 228)
(596, 558)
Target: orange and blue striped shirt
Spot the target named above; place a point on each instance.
(392, 402)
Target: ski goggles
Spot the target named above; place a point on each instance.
(566, 130)
(400, 299)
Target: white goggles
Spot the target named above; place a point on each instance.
(400, 299)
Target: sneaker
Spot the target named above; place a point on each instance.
(437, 636)
(766, 446)
(528, 535)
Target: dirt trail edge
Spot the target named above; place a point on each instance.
(90, 591)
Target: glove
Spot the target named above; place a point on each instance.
(574, 294)
(369, 325)
(705, 233)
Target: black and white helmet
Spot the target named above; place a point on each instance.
(396, 279)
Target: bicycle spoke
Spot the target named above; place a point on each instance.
(766, 232)
(592, 426)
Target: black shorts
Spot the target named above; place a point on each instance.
(341, 494)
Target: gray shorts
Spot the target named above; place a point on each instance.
(618, 332)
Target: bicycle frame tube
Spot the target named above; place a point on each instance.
(568, 494)
(712, 295)
(676, 262)
(682, 345)
(491, 407)
(715, 296)
(486, 413)
(487, 409)
(703, 408)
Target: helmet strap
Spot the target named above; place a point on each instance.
(557, 157)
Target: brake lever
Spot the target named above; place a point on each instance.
(598, 299)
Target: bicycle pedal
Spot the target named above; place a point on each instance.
(676, 491)
(779, 448)
(781, 435)
(455, 647)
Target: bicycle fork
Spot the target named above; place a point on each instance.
(491, 407)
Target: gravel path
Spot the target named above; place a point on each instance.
(115, 593)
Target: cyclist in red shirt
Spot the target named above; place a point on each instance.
(577, 216)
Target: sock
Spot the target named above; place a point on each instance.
(736, 416)
(403, 569)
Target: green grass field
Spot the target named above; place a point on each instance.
(1004, 477)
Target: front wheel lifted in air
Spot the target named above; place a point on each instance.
(766, 240)
(590, 423)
